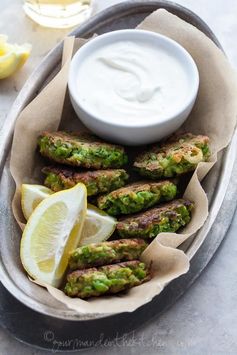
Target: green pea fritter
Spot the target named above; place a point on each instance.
(96, 182)
(137, 197)
(169, 217)
(177, 156)
(109, 279)
(97, 254)
(81, 149)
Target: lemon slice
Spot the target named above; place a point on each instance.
(52, 232)
(12, 56)
(31, 196)
(98, 226)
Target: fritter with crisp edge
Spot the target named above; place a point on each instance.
(97, 181)
(137, 197)
(169, 217)
(177, 156)
(104, 253)
(109, 279)
(81, 149)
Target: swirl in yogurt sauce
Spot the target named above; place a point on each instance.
(139, 87)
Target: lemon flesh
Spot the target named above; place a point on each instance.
(98, 226)
(12, 57)
(31, 196)
(52, 232)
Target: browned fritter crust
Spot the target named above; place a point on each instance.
(97, 181)
(109, 279)
(104, 253)
(168, 217)
(81, 149)
(178, 155)
(136, 187)
(137, 196)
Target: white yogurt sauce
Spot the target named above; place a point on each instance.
(132, 82)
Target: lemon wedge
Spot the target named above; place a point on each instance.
(52, 232)
(12, 56)
(31, 196)
(98, 226)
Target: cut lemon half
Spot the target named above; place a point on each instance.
(12, 56)
(98, 226)
(31, 196)
(52, 232)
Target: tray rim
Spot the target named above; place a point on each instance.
(35, 81)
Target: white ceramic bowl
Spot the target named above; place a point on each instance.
(124, 132)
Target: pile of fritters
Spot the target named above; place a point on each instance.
(105, 178)
(150, 205)
(106, 268)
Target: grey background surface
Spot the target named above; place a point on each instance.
(204, 321)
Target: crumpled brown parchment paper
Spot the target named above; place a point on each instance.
(214, 115)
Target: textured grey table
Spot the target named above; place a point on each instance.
(204, 320)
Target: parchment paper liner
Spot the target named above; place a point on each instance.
(214, 114)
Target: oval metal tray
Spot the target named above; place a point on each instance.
(53, 315)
